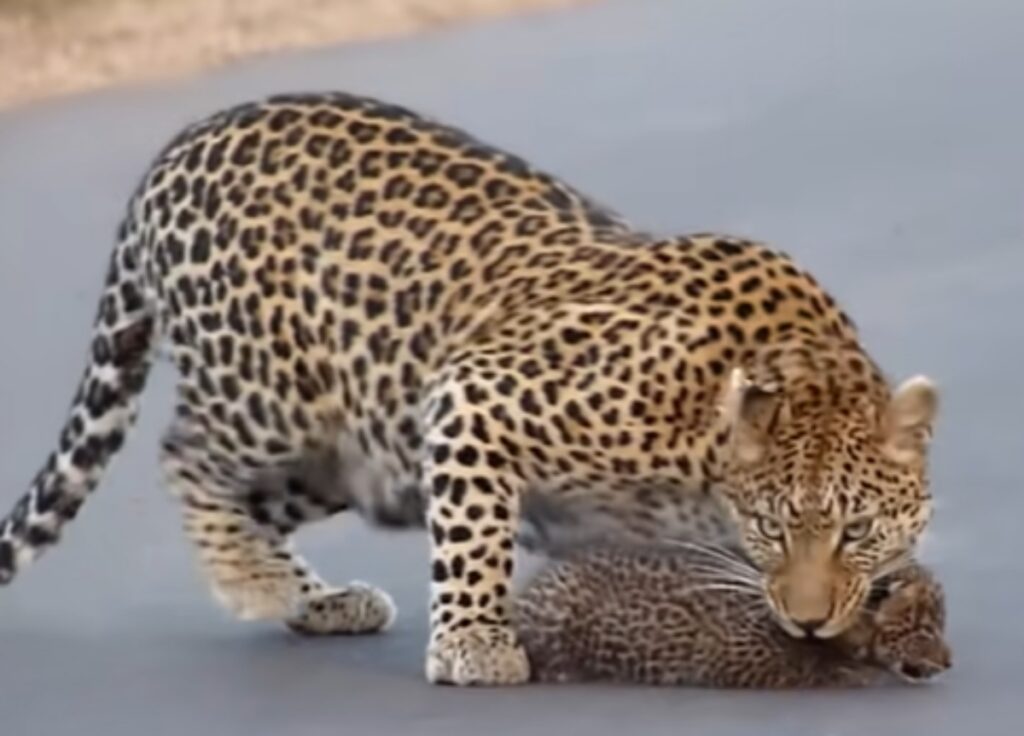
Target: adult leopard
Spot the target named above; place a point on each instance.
(372, 311)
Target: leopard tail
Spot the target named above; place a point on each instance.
(104, 408)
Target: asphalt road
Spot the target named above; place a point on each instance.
(878, 140)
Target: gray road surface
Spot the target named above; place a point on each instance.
(879, 140)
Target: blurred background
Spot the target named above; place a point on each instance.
(50, 47)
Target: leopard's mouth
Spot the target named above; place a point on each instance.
(921, 671)
(911, 672)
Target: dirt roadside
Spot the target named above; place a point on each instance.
(54, 47)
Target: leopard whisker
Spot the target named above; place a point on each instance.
(737, 584)
(732, 574)
(754, 607)
(891, 567)
(722, 554)
(722, 587)
(711, 579)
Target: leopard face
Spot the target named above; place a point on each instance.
(908, 626)
(829, 489)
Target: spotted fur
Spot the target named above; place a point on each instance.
(371, 311)
(696, 617)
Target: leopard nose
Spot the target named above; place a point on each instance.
(810, 626)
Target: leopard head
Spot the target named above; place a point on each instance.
(827, 482)
(908, 627)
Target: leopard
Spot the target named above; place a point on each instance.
(694, 615)
(371, 311)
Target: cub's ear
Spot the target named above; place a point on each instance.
(907, 424)
(752, 413)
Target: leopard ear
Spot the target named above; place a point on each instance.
(907, 423)
(752, 412)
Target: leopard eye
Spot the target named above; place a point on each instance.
(769, 528)
(856, 530)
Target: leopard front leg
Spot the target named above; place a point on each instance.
(472, 514)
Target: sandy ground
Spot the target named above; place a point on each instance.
(52, 47)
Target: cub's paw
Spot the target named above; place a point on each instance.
(477, 655)
(357, 608)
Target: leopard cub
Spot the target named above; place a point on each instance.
(694, 615)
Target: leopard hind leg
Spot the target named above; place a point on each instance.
(241, 524)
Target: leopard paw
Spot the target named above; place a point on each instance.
(477, 655)
(357, 608)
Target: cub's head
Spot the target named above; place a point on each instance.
(908, 626)
(828, 485)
